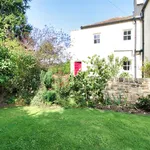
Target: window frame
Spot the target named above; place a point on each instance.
(127, 36)
(127, 66)
(97, 38)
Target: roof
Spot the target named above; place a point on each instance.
(109, 21)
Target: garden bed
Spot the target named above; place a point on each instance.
(131, 110)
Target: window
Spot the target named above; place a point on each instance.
(127, 35)
(96, 38)
(126, 65)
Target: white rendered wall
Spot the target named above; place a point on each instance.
(111, 41)
(147, 31)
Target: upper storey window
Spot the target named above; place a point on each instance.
(96, 38)
(127, 35)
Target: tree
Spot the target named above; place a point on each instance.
(50, 45)
(13, 22)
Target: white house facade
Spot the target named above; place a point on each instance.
(146, 31)
(121, 36)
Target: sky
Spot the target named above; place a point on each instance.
(70, 15)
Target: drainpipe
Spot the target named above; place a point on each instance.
(142, 18)
(135, 63)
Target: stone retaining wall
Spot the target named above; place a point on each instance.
(128, 89)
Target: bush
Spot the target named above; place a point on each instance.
(87, 87)
(146, 69)
(125, 75)
(114, 100)
(48, 79)
(6, 65)
(38, 99)
(144, 103)
(61, 69)
(19, 71)
(49, 96)
(62, 86)
(67, 103)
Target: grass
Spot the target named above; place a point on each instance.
(32, 128)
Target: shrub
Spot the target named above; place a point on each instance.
(42, 76)
(49, 96)
(38, 99)
(25, 75)
(48, 79)
(62, 86)
(146, 69)
(144, 103)
(114, 100)
(19, 71)
(125, 75)
(67, 103)
(61, 69)
(87, 87)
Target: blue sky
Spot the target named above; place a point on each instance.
(71, 14)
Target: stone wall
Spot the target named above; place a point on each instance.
(128, 89)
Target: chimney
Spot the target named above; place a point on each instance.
(138, 5)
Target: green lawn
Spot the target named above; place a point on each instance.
(31, 128)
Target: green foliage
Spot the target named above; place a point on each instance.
(6, 65)
(49, 96)
(144, 103)
(38, 97)
(13, 22)
(19, 71)
(114, 100)
(42, 76)
(62, 86)
(87, 87)
(26, 75)
(125, 75)
(61, 69)
(80, 86)
(146, 69)
(67, 102)
(48, 79)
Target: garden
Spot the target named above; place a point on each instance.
(43, 106)
(35, 68)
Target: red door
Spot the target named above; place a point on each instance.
(77, 67)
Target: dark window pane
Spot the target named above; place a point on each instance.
(129, 63)
(129, 32)
(95, 41)
(124, 67)
(124, 63)
(129, 37)
(125, 37)
(125, 32)
(96, 38)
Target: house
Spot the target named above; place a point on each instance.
(121, 36)
(146, 29)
